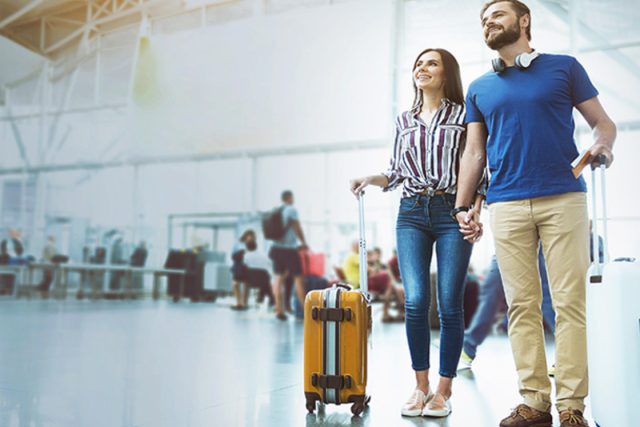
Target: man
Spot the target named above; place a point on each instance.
(285, 256)
(520, 121)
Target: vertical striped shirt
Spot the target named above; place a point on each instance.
(427, 156)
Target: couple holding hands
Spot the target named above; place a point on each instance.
(516, 121)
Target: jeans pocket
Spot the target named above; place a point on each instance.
(408, 204)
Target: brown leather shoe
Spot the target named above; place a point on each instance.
(572, 418)
(526, 416)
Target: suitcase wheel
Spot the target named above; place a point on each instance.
(359, 406)
(311, 405)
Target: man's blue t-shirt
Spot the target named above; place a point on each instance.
(528, 115)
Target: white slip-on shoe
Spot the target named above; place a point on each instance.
(464, 362)
(414, 406)
(438, 406)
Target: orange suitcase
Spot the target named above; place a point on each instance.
(337, 324)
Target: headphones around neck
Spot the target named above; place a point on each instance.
(522, 61)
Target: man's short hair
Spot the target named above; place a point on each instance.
(248, 233)
(519, 8)
(286, 194)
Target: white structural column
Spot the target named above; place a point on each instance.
(136, 203)
(97, 88)
(35, 238)
(397, 34)
(326, 203)
(17, 136)
(253, 170)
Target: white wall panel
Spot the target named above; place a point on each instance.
(310, 76)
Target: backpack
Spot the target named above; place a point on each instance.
(273, 226)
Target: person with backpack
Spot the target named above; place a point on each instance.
(282, 226)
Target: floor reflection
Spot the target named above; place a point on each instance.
(158, 364)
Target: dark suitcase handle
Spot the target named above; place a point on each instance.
(343, 286)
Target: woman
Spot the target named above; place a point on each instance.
(425, 160)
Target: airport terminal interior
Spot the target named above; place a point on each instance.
(147, 146)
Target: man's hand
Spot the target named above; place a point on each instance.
(470, 225)
(597, 149)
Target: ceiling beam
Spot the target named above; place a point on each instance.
(59, 11)
(20, 12)
(187, 158)
(76, 110)
(92, 25)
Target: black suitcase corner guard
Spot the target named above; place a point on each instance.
(331, 314)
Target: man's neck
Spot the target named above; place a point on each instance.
(508, 53)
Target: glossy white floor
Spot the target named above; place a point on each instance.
(158, 364)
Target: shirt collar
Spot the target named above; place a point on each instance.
(445, 102)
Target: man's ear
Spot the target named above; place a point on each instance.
(525, 21)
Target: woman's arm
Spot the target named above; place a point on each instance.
(358, 184)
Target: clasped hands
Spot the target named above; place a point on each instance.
(470, 225)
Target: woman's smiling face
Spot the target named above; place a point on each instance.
(428, 73)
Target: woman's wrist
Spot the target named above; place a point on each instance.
(377, 180)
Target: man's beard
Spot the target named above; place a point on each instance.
(508, 36)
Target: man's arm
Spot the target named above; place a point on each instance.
(295, 225)
(472, 164)
(604, 130)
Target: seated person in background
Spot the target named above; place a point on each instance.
(138, 259)
(48, 252)
(12, 248)
(259, 271)
(255, 272)
(374, 259)
(394, 268)
(11, 253)
(239, 270)
(378, 282)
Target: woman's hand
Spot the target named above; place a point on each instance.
(358, 184)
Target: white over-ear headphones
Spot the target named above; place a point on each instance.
(523, 61)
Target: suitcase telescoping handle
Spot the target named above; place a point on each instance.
(596, 275)
(364, 280)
